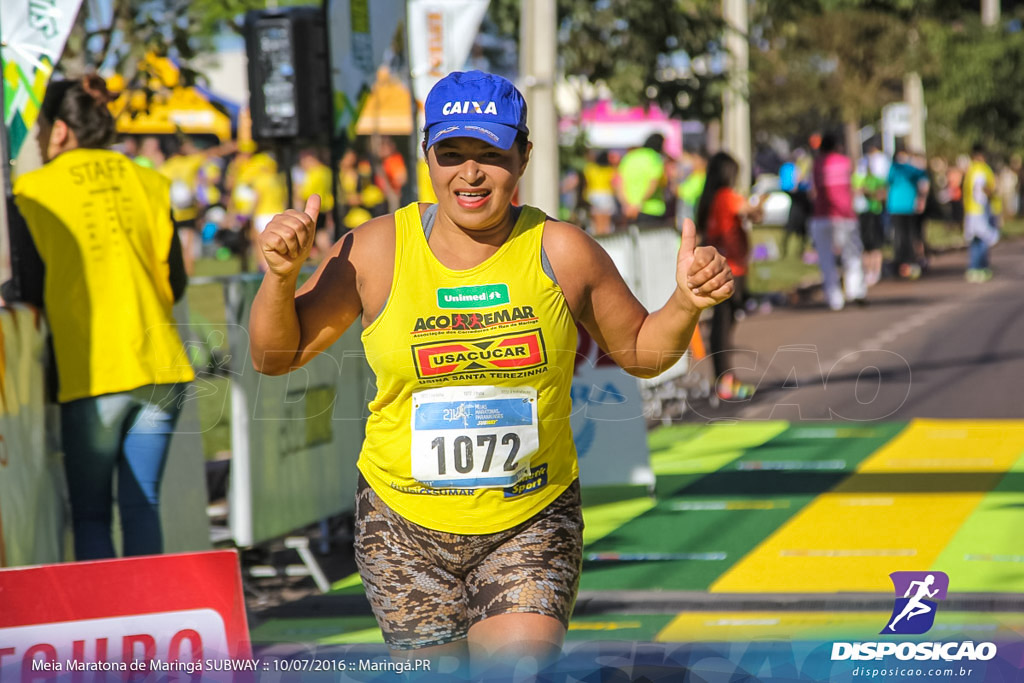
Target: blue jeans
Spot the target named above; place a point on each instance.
(977, 254)
(129, 432)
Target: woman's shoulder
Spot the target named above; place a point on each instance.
(563, 241)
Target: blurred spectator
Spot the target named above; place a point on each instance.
(834, 225)
(393, 170)
(955, 183)
(258, 192)
(150, 154)
(980, 229)
(182, 169)
(795, 180)
(640, 183)
(938, 176)
(598, 191)
(360, 197)
(209, 180)
(877, 161)
(692, 186)
(869, 191)
(267, 182)
(371, 196)
(927, 210)
(98, 250)
(721, 212)
(908, 190)
(570, 189)
(316, 179)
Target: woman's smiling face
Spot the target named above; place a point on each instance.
(474, 181)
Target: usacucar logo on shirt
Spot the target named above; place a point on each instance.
(515, 351)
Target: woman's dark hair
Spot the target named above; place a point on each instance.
(655, 141)
(82, 105)
(829, 142)
(722, 172)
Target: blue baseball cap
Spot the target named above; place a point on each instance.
(477, 105)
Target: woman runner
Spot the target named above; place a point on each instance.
(468, 522)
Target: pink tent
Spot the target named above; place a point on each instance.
(609, 126)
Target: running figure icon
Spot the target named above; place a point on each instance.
(915, 606)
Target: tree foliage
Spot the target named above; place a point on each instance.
(644, 51)
(826, 67)
(117, 36)
(979, 94)
(821, 62)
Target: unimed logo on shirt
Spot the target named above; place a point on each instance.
(480, 296)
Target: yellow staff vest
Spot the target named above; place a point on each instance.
(503, 323)
(102, 226)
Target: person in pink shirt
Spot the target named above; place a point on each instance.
(833, 225)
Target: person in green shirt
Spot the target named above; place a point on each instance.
(690, 190)
(868, 193)
(640, 183)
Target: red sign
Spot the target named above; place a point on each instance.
(516, 351)
(133, 617)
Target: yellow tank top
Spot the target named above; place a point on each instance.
(102, 226)
(474, 370)
(972, 207)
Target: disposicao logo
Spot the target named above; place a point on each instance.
(916, 593)
(913, 613)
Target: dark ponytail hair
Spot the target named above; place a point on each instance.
(82, 105)
(722, 172)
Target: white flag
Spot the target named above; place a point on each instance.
(34, 33)
(441, 34)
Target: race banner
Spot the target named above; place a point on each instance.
(165, 617)
(608, 424)
(359, 32)
(441, 34)
(33, 35)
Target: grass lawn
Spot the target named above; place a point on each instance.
(790, 272)
(784, 273)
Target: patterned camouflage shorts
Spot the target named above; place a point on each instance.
(428, 587)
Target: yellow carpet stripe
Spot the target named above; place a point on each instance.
(896, 512)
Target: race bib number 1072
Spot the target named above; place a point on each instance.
(473, 437)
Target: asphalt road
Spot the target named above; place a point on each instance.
(937, 347)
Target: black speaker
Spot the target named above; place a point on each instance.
(289, 73)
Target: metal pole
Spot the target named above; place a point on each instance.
(989, 12)
(735, 102)
(537, 64)
(913, 95)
